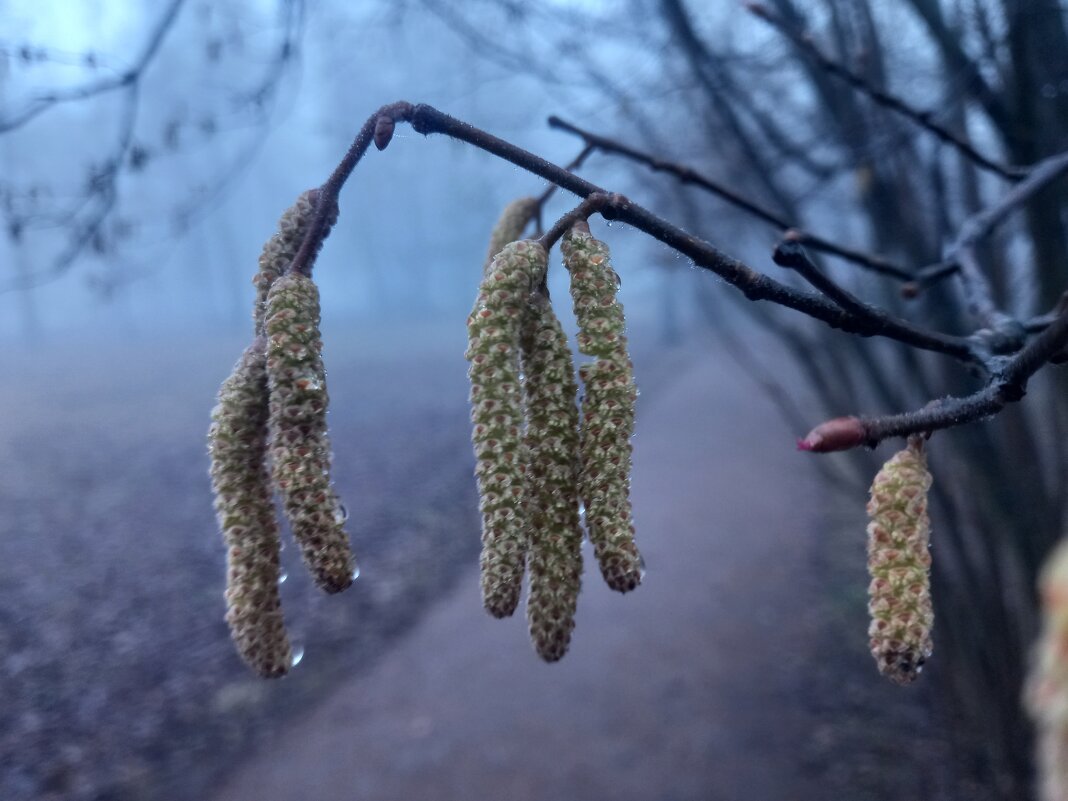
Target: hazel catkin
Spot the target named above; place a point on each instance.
(552, 489)
(280, 249)
(497, 418)
(1046, 689)
(244, 507)
(899, 561)
(509, 226)
(607, 409)
(299, 442)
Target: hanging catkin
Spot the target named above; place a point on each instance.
(607, 409)
(246, 516)
(280, 249)
(1046, 691)
(241, 480)
(552, 495)
(497, 416)
(509, 226)
(299, 442)
(899, 596)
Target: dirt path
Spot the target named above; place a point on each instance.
(689, 688)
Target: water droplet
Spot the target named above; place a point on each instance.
(298, 655)
(356, 572)
(282, 577)
(641, 567)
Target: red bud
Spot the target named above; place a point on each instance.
(383, 131)
(839, 434)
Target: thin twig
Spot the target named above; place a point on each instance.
(925, 119)
(754, 285)
(573, 165)
(129, 77)
(960, 256)
(1008, 385)
(582, 212)
(326, 208)
(1009, 376)
(688, 175)
(790, 254)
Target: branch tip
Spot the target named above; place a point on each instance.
(384, 127)
(839, 434)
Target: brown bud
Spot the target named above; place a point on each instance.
(759, 10)
(384, 126)
(910, 290)
(839, 434)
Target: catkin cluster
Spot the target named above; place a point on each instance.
(497, 417)
(246, 516)
(299, 443)
(536, 458)
(607, 409)
(268, 433)
(899, 561)
(1046, 691)
(552, 441)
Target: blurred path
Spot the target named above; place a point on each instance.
(688, 688)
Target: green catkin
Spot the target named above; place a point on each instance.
(241, 480)
(510, 226)
(899, 561)
(299, 442)
(280, 249)
(497, 417)
(552, 488)
(1046, 690)
(243, 504)
(607, 409)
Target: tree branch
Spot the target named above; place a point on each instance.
(754, 285)
(687, 175)
(1007, 385)
(130, 77)
(1009, 376)
(582, 212)
(960, 255)
(790, 254)
(922, 118)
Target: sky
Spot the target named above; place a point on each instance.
(414, 218)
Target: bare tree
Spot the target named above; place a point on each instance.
(61, 212)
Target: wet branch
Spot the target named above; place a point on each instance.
(1008, 385)
(754, 285)
(790, 254)
(687, 175)
(583, 211)
(924, 119)
(835, 306)
(961, 257)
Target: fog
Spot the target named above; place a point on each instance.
(194, 216)
(147, 151)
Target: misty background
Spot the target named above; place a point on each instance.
(146, 153)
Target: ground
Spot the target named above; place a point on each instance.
(687, 688)
(723, 676)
